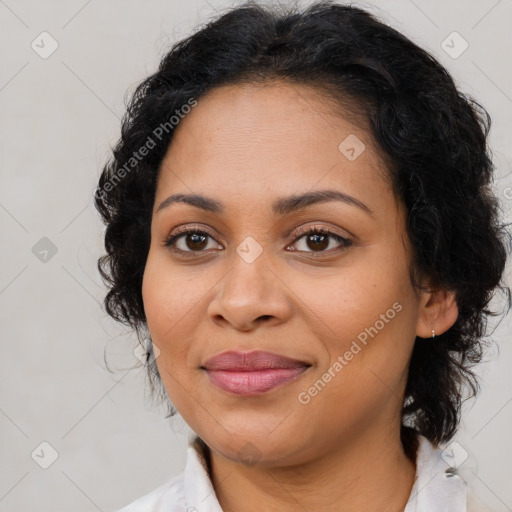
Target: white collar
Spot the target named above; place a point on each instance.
(434, 488)
(199, 493)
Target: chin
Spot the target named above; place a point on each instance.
(255, 447)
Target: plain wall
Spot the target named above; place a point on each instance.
(59, 117)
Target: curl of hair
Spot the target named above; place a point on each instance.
(432, 137)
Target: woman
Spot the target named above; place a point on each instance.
(299, 220)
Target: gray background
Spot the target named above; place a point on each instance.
(59, 116)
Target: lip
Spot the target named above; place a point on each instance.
(252, 373)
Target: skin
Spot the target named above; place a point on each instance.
(246, 146)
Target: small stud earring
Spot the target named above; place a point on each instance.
(433, 334)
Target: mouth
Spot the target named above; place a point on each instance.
(252, 373)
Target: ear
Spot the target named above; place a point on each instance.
(438, 311)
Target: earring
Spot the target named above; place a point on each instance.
(433, 334)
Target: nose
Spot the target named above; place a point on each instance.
(250, 295)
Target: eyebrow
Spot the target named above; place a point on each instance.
(281, 206)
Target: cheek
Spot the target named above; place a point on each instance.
(345, 302)
(169, 306)
(169, 296)
(174, 302)
(364, 314)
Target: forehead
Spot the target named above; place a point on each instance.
(284, 114)
(253, 139)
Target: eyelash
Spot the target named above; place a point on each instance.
(301, 233)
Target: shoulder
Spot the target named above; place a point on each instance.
(168, 497)
(444, 481)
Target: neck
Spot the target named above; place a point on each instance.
(368, 473)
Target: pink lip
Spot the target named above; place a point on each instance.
(251, 373)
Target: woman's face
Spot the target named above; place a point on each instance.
(343, 308)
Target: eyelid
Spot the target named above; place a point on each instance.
(304, 230)
(187, 228)
(300, 231)
(345, 241)
(301, 228)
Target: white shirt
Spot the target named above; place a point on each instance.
(434, 489)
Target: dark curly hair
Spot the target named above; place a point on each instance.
(432, 136)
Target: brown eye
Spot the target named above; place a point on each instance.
(190, 240)
(195, 241)
(318, 240)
